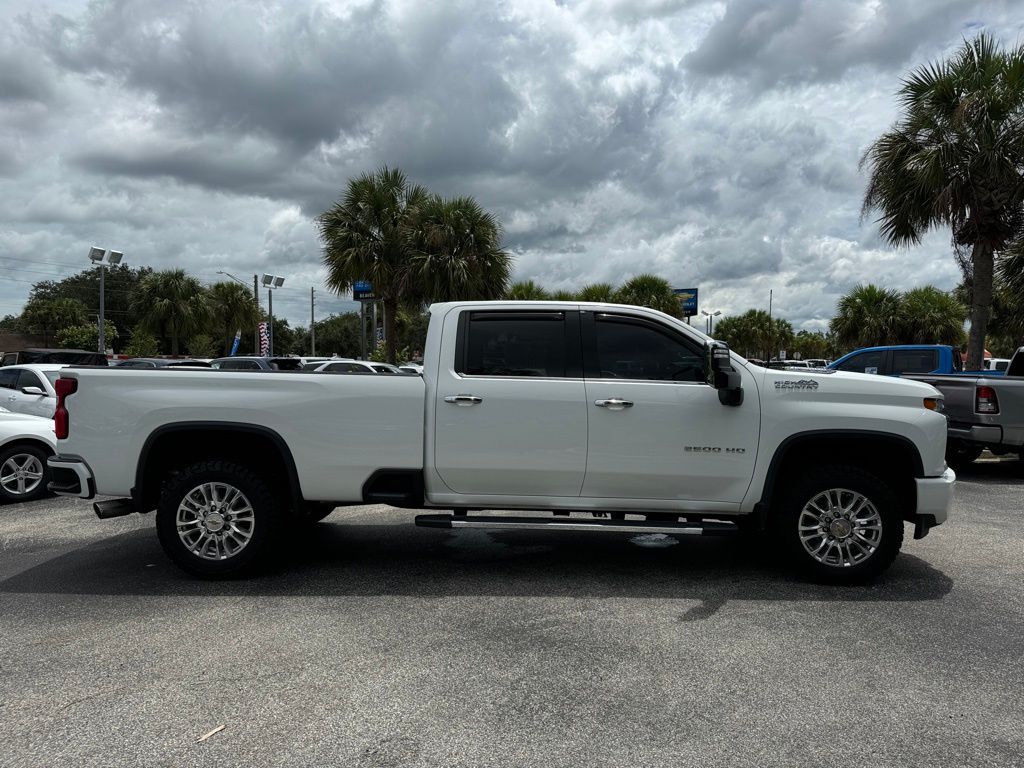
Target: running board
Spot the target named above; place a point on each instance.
(697, 528)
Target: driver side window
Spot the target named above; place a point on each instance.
(632, 349)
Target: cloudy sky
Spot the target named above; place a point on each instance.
(713, 143)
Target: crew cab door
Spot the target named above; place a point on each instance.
(656, 427)
(510, 410)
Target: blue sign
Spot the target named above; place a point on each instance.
(687, 300)
(362, 290)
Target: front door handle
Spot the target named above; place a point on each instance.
(463, 400)
(614, 403)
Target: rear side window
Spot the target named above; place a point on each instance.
(239, 365)
(516, 344)
(865, 362)
(9, 378)
(914, 360)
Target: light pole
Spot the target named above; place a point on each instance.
(113, 258)
(710, 322)
(270, 282)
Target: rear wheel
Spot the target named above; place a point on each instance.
(960, 455)
(839, 524)
(23, 474)
(217, 518)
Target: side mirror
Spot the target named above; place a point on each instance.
(721, 374)
(32, 391)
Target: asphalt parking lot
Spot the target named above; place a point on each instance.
(375, 643)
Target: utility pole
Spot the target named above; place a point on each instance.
(362, 330)
(312, 321)
(771, 328)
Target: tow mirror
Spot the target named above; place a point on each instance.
(722, 375)
(32, 391)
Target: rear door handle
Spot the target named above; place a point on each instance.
(463, 400)
(614, 403)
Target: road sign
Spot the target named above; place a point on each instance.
(362, 290)
(687, 300)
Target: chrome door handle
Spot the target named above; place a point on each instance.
(463, 400)
(614, 403)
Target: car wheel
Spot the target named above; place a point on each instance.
(217, 518)
(960, 455)
(23, 473)
(839, 525)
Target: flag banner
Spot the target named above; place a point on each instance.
(264, 340)
(238, 338)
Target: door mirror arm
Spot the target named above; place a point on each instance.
(722, 375)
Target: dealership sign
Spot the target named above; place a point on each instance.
(687, 300)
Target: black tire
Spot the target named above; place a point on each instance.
(790, 514)
(21, 453)
(960, 455)
(262, 530)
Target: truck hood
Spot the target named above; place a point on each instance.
(847, 383)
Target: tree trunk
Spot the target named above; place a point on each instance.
(390, 311)
(174, 344)
(981, 303)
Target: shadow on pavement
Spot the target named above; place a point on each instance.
(341, 559)
(1005, 471)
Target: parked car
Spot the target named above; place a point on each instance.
(29, 389)
(416, 368)
(48, 356)
(997, 364)
(26, 442)
(817, 362)
(522, 406)
(257, 364)
(356, 366)
(161, 362)
(901, 359)
(788, 364)
(982, 411)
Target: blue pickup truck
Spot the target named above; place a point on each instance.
(905, 358)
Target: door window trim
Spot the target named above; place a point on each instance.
(573, 340)
(591, 364)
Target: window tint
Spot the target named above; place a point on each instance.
(633, 350)
(865, 362)
(29, 379)
(239, 365)
(8, 378)
(914, 360)
(506, 345)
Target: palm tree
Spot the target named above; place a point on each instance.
(867, 316)
(956, 158)
(171, 303)
(931, 316)
(366, 237)
(755, 333)
(649, 291)
(599, 292)
(232, 307)
(456, 251)
(527, 290)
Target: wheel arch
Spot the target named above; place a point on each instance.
(259, 447)
(30, 440)
(889, 455)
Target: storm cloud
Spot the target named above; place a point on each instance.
(714, 143)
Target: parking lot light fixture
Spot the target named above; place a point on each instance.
(96, 256)
(271, 282)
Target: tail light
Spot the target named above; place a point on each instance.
(63, 388)
(985, 400)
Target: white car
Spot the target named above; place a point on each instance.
(29, 388)
(26, 442)
(997, 363)
(355, 366)
(416, 368)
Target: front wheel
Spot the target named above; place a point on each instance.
(839, 524)
(217, 518)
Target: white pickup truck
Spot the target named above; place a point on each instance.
(613, 418)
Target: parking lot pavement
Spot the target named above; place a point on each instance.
(375, 643)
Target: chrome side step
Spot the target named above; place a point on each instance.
(696, 528)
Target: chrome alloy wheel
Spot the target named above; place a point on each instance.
(215, 521)
(21, 474)
(840, 527)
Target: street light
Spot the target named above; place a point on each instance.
(113, 258)
(270, 282)
(710, 322)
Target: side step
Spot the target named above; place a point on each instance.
(696, 528)
(112, 508)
